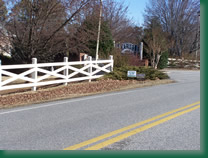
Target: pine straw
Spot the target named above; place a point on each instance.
(72, 90)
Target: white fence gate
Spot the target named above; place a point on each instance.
(40, 74)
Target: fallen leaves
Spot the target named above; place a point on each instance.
(70, 91)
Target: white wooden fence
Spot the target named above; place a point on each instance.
(40, 74)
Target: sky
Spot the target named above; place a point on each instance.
(136, 10)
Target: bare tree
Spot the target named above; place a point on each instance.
(4, 42)
(179, 18)
(156, 42)
(48, 28)
(38, 27)
(114, 15)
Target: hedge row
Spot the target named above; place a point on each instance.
(150, 73)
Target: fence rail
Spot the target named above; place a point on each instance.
(40, 74)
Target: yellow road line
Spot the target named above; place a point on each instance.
(138, 130)
(93, 140)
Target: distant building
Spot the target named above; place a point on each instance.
(128, 48)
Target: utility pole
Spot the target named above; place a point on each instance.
(99, 27)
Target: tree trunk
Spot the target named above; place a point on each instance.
(153, 61)
(157, 61)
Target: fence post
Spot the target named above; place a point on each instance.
(35, 73)
(66, 71)
(0, 76)
(111, 58)
(52, 68)
(90, 68)
(85, 58)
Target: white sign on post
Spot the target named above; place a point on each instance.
(131, 74)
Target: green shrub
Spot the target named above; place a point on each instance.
(163, 63)
(121, 73)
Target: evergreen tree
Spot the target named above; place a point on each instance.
(85, 38)
(106, 42)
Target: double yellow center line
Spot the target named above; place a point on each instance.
(170, 115)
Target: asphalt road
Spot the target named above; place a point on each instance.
(62, 124)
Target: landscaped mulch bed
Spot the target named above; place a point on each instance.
(72, 90)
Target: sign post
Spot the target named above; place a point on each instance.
(141, 51)
(141, 76)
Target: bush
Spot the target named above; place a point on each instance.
(121, 73)
(163, 63)
(119, 59)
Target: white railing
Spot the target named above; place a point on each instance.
(182, 60)
(40, 74)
